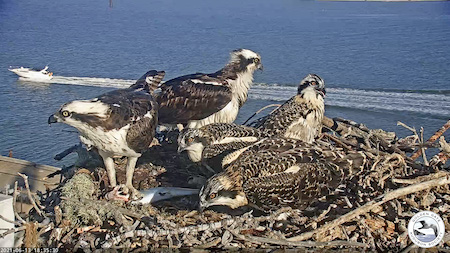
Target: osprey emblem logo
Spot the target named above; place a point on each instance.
(426, 229)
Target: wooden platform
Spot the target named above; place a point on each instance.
(37, 173)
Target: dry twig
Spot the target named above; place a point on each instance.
(27, 186)
(444, 180)
(433, 138)
(14, 204)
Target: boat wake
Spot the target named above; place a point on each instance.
(89, 81)
(426, 102)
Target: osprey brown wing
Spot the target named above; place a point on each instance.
(293, 189)
(192, 99)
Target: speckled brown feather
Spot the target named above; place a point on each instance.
(219, 131)
(301, 116)
(261, 172)
(293, 189)
(279, 120)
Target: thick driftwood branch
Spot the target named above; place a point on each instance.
(310, 244)
(432, 139)
(374, 203)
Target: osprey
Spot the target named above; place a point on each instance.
(214, 139)
(117, 123)
(301, 116)
(200, 99)
(279, 172)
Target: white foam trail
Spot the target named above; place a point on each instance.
(92, 81)
(435, 104)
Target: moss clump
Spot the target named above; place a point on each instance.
(80, 185)
(77, 208)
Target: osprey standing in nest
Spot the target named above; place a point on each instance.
(301, 116)
(199, 99)
(215, 139)
(117, 123)
(279, 172)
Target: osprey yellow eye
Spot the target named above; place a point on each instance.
(190, 139)
(212, 195)
(313, 83)
(256, 60)
(65, 113)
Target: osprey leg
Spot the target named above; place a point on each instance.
(109, 165)
(131, 164)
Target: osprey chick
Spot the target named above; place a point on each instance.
(200, 99)
(215, 139)
(117, 123)
(301, 116)
(279, 172)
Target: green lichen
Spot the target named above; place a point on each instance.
(79, 186)
(76, 206)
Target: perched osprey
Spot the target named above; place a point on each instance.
(279, 172)
(301, 116)
(214, 139)
(117, 123)
(200, 99)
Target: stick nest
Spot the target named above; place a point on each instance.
(372, 214)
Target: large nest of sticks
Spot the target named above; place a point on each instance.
(387, 193)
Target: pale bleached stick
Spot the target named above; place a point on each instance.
(260, 240)
(12, 230)
(14, 204)
(25, 178)
(372, 204)
(424, 156)
(419, 179)
(10, 221)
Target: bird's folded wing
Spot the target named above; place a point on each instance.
(223, 131)
(126, 107)
(270, 160)
(217, 149)
(291, 189)
(192, 99)
(279, 120)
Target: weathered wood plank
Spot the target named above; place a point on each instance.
(37, 173)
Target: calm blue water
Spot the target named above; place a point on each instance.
(382, 62)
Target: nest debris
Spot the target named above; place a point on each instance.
(373, 215)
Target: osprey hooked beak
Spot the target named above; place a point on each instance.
(52, 119)
(321, 91)
(180, 149)
(260, 66)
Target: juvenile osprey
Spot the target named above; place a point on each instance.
(301, 116)
(279, 172)
(214, 139)
(200, 99)
(117, 123)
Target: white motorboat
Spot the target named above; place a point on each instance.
(32, 74)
